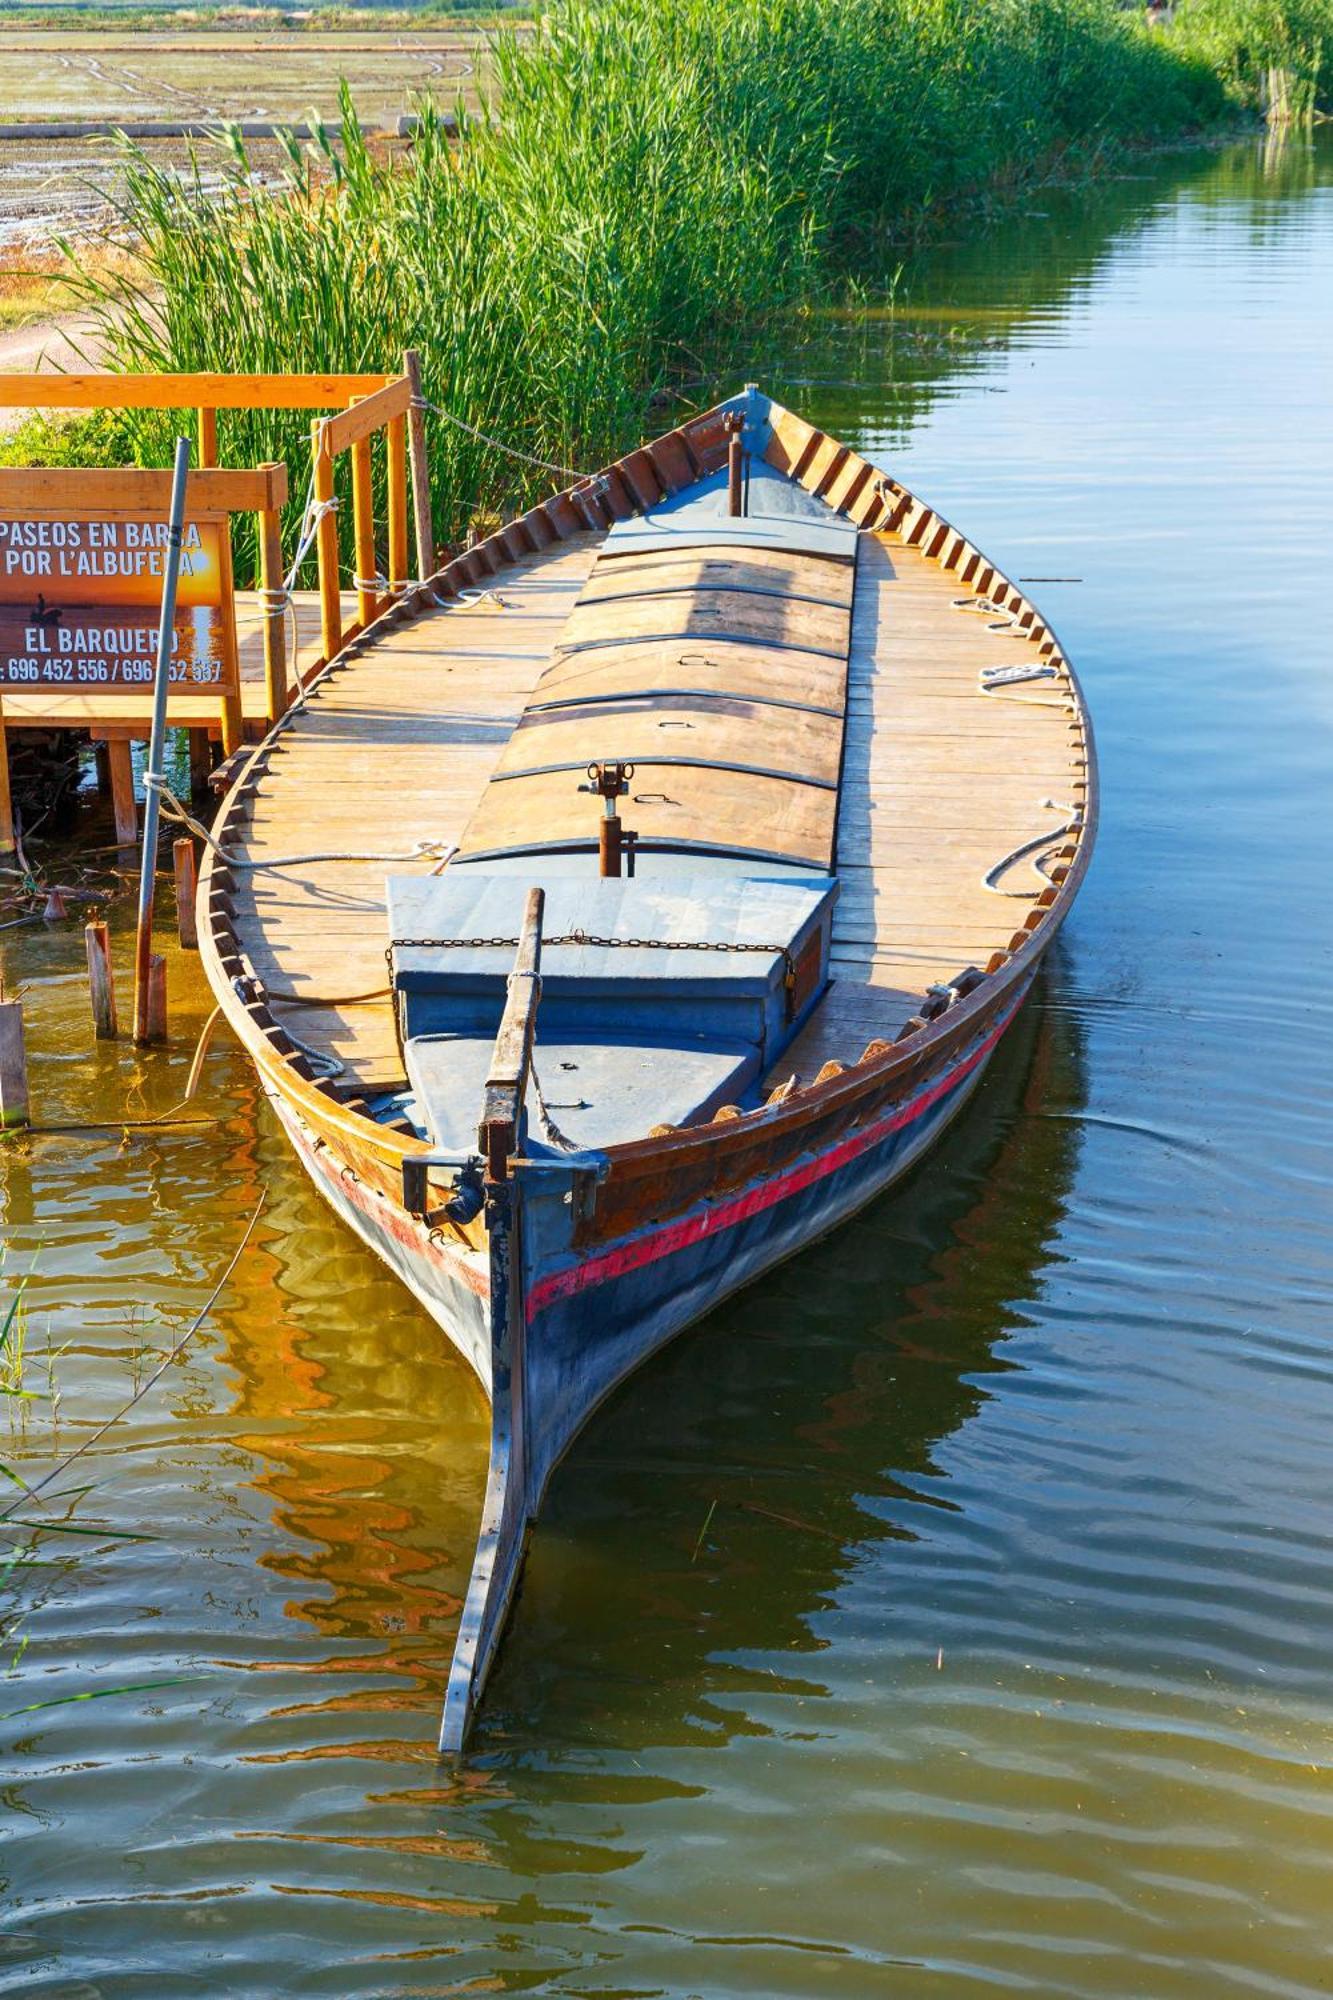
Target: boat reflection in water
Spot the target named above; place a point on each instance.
(718, 1504)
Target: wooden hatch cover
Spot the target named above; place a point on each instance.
(711, 653)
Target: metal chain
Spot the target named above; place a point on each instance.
(589, 938)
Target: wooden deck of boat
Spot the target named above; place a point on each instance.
(940, 781)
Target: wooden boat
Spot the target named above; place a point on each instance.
(712, 820)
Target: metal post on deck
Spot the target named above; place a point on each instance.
(148, 1009)
(733, 423)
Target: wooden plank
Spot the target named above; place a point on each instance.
(420, 720)
(806, 680)
(754, 569)
(366, 416)
(511, 1058)
(746, 814)
(736, 734)
(183, 392)
(38, 490)
(712, 614)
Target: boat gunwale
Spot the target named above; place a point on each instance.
(878, 504)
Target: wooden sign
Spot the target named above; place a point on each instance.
(79, 602)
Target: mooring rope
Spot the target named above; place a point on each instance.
(550, 1131)
(173, 810)
(178, 1346)
(498, 444)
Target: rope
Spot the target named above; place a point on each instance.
(997, 681)
(497, 444)
(280, 600)
(289, 999)
(177, 1348)
(550, 1131)
(1038, 846)
(320, 1060)
(173, 810)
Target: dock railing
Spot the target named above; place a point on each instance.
(384, 409)
(355, 409)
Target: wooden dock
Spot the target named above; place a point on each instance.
(266, 641)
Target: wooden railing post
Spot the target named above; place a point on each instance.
(326, 547)
(416, 445)
(363, 531)
(275, 613)
(208, 436)
(395, 438)
(233, 718)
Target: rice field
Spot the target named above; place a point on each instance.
(51, 76)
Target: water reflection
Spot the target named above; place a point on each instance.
(727, 1492)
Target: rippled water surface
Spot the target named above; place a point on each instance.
(952, 1613)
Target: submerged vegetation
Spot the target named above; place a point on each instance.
(653, 176)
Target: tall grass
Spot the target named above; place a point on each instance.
(1246, 41)
(652, 176)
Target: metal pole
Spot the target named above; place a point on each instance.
(166, 633)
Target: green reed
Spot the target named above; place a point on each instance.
(650, 180)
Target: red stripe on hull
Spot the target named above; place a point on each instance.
(642, 1250)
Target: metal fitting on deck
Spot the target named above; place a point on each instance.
(615, 842)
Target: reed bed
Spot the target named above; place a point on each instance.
(651, 179)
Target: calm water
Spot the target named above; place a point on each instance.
(952, 1614)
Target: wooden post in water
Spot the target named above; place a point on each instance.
(201, 764)
(149, 969)
(101, 981)
(13, 1066)
(155, 1007)
(182, 856)
(416, 453)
